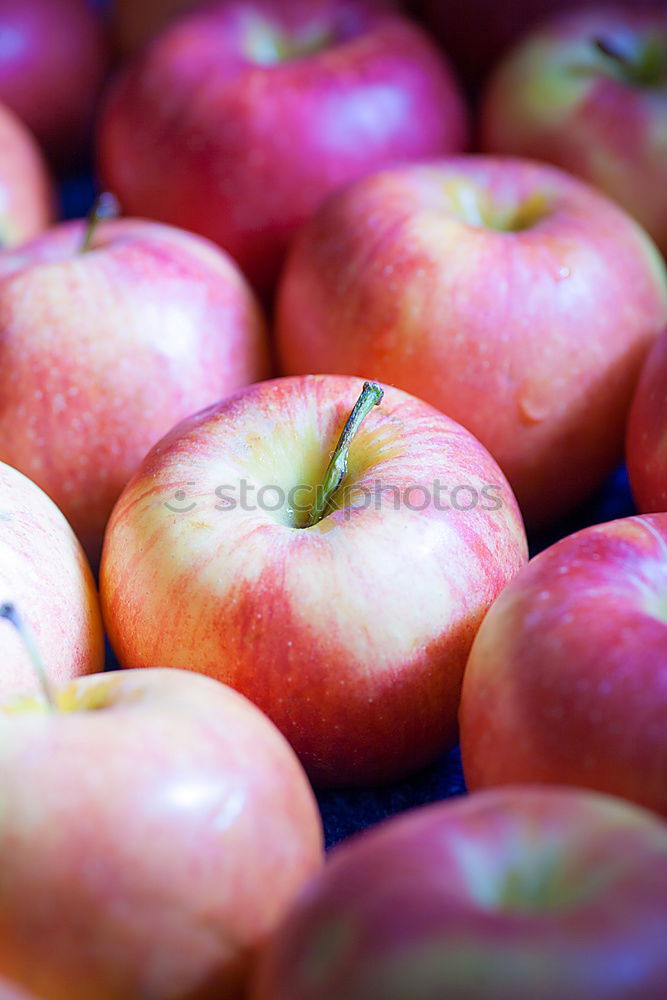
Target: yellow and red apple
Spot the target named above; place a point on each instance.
(103, 349)
(513, 297)
(349, 626)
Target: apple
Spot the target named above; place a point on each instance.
(646, 442)
(588, 91)
(567, 679)
(515, 894)
(157, 827)
(511, 296)
(103, 349)
(476, 33)
(271, 106)
(341, 600)
(43, 569)
(52, 63)
(26, 197)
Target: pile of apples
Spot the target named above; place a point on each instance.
(365, 308)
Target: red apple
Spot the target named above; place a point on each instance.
(516, 894)
(26, 198)
(511, 296)
(155, 828)
(102, 351)
(567, 678)
(52, 60)
(240, 118)
(588, 92)
(646, 443)
(43, 569)
(350, 629)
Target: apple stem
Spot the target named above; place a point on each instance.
(9, 612)
(645, 69)
(105, 207)
(371, 395)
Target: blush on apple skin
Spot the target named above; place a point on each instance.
(26, 193)
(52, 65)
(108, 349)
(158, 827)
(510, 295)
(44, 571)
(567, 678)
(646, 442)
(351, 634)
(516, 894)
(271, 107)
(555, 97)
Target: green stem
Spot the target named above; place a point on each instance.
(371, 395)
(9, 612)
(106, 207)
(643, 69)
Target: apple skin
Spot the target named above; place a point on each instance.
(646, 442)
(610, 131)
(44, 572)
(26, 195)
(108, 349)
(565, 683)
(513, 894)
(312, 624)
(202, 102)
(52, 65)
(532, 339)
(159, 826)
(134, 23)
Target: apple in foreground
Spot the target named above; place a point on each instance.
(341, 599)
(43, 568)
(271, 106)
(588, 91)
(515, 894)
(511, 296)
(646, 441)
(26, 196)
(52, 62)
(155, 828)
(106, 340)
(567, 678)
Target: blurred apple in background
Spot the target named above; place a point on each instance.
(476, 33)
(103, 350)
(26, 196)
(517, 894)
(158, 828)
(43, 569)
(588, 92)
(646, 443)
(52, 63)
(350, 632)
(513, 297)
(238, 120)
(567, 678)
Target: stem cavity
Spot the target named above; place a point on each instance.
(371, 395)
